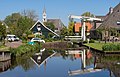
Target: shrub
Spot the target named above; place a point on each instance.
(24, 49)
(92, 41)
(85, 41)
(111, 47)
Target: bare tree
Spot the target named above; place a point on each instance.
(30, 14)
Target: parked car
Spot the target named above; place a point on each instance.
(37, 40)
(10, 37)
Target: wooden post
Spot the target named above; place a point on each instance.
(3, 55)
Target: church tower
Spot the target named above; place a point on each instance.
(44, 15)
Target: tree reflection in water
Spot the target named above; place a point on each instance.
(109, 62)
(24, 61)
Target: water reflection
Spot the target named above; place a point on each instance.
(85, 55)
(5, 61)
(42, 57)
(72, 62)
(4, 66)
(23, 61)
(5, 56)
(110, 62)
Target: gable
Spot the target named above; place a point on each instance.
(112, 19)
(40, 27)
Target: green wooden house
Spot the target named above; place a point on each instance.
(40, 29)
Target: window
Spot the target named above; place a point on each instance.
(118, 11)
(38, 27)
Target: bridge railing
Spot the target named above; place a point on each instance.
(73, 38)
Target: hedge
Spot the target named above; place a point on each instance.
(111, 47)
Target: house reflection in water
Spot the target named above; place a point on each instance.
(4, 66)
(111, 62)
(5, 61)
(85, 56)
(5, 56)
(42, 57)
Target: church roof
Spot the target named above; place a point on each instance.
(113, 19)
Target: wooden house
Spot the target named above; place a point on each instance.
(40, 29)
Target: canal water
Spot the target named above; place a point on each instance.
(62, 63)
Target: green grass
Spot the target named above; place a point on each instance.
(4, 48)
(97, 46)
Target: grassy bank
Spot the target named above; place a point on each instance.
(105, 47)
(24, 49)
(97, 46)
(4, 48)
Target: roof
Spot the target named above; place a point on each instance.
(101, 17)
(57, 22)
(112, 19)
(44, 27)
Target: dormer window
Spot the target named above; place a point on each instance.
(118, 22)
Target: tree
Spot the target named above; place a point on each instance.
(30, 14)
(64, 32)
(50, 25)
(12, 21)
(88, 14)
(71, 28)
(2, 31)
(50, 35)
(19, 23)
(99, 34)
(23, 25)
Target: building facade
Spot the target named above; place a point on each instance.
(40, 29)
(109, 22)
(56, 22)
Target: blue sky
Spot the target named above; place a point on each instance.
(57, 8)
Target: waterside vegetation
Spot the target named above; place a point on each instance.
(24, 49)
(105, 47)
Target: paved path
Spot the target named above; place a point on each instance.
(14, 44)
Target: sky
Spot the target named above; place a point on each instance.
(57, 8)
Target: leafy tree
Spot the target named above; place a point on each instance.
(99, 34)
(64, 32)
(71, 28)
(11, 21)
(2, 32)
(50, 25)
(50, 35)
(2, 29)
(23, 25)
(20, 23)
(88, 14)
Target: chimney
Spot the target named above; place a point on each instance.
(110, 10)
